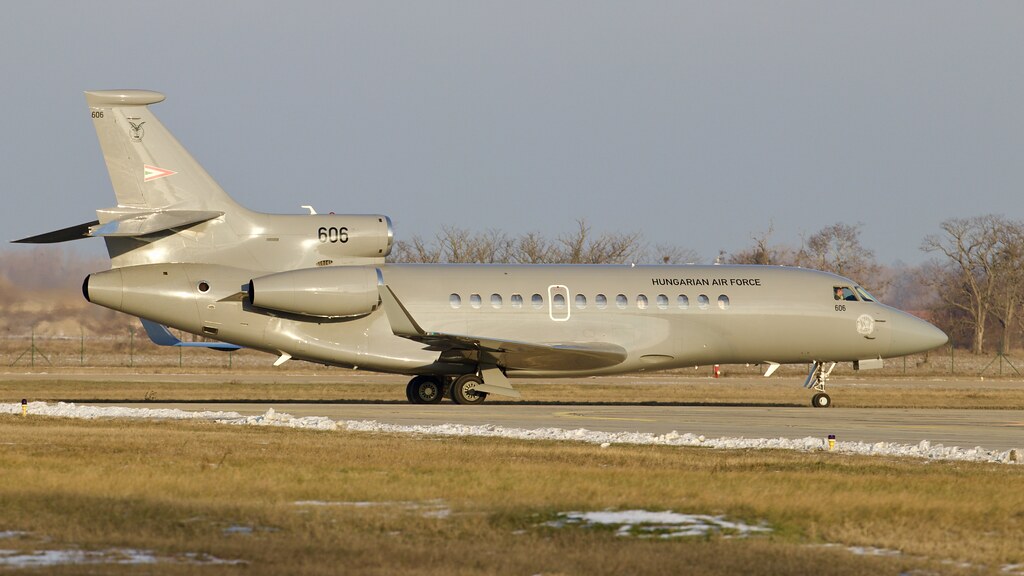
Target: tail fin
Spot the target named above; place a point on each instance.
(170, 210)
(148, 168)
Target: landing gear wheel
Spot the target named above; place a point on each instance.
(463, 390)
(425, 390)
(821, 400)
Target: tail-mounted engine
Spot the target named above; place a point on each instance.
(330, 292)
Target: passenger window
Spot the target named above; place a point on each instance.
(474, 300)
(621, 300)
(581, 301)
(537, 300)
(496, 300)
(455, 300)
(723, 302)
(683, 301)
(517, 300)
(601, 300)
(641, 302)
(702, 301)
(662, 301)
(558, 301)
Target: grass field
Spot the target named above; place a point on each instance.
(193, 494)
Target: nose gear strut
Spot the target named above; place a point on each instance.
(816, 378)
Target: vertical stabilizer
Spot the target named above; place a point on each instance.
(148, 168)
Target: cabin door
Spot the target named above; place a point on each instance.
(558, 302)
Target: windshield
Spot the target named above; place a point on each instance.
(864, 295)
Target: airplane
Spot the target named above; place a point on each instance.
(316, 287)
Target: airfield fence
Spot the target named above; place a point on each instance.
(132, 350)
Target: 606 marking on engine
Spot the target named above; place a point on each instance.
(332, 234)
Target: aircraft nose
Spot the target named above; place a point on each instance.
(912, 335)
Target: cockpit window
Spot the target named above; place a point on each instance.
(864, 295)
(844, 293)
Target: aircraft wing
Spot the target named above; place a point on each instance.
(509, 354)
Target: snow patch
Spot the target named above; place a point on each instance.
(924, 449)
(646, 524)
(428, 509)
(872, 551)
(37, 558)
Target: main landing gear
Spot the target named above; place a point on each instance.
(816, 378)
(425, 390)
(433, 389)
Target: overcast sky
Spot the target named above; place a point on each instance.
(698, 124)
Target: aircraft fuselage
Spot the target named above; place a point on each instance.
(660, 316)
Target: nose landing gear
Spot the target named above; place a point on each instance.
(816, 378)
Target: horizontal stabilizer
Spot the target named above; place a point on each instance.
(145, 223)
(161, 336)
(63, 235)
(131, 224)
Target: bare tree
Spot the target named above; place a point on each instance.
(671, 254)
(532, 248)
(415, 250)
(1008, 293)
(763, 252)
(977, 253)
(837, 249)
(581, 247)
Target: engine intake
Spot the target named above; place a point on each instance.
(330, 292)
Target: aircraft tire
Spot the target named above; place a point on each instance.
(425, 390)
(821, 400)
(462, 390)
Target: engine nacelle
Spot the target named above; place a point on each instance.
(329, 292)
(340, 236)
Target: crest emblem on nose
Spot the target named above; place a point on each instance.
(865, 325)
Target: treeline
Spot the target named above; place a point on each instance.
(973, 286)
(454, 245)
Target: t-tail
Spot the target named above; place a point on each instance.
(169, 209)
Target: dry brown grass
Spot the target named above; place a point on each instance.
(349, 386)
(175, 487)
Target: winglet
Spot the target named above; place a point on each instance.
(772, 367)
(402, 323)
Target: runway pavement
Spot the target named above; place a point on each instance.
(991, 429)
